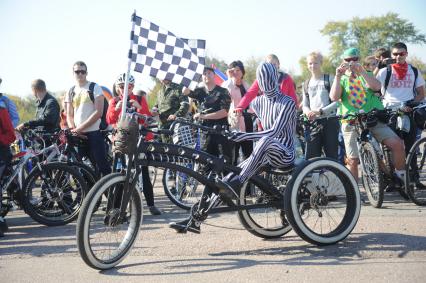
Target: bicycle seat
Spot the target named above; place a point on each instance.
(282, 170)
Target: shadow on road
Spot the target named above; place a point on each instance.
(354, 249)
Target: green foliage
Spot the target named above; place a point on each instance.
(419, 64)
(152, 94)
(250, 67)
(26, 107)
(369, 33)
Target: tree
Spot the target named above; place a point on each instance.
(419, 64)
(250, 67)
(369, 33)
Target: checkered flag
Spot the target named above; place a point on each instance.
(160, 54)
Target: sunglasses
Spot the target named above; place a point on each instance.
(353, 59)
(399, 54)
(80, 72)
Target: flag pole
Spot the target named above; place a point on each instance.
(126, 84)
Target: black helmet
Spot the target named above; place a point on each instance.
(420, 118)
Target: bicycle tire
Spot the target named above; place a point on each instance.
(416, 189)
(59, 196)
(184, 193)
(371, 174)
(87, 244)
(152, 174)
(259, 221)
(310, 187)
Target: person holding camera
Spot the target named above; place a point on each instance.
(383, 57)
(140, 105)
(401, 84)
(355, 88)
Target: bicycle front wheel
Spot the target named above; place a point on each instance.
(182, 189)
(416, 179)
(267, 222)
(322, 202)
(372, 177)
(104, 238)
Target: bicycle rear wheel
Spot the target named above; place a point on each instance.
(372, 177)
(322, 201)
(416, 181)
(104, 239)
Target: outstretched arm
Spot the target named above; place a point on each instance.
(286, 117)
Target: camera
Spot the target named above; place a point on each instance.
(389, 61)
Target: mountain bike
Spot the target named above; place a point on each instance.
(320, 201)
(416, 179)
(51, 194)
(375, 158)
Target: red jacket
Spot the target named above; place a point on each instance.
(286, 87)
(7, 132)
(113, 115)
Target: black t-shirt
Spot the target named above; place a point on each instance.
(212, 101)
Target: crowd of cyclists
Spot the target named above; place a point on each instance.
(264, 129)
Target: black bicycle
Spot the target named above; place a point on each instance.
(319, 199)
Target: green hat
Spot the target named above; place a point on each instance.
(351, 52)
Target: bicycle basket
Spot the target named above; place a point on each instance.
(183, 135)
(126, 136)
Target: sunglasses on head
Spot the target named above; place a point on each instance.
(399, 54)
(80, 72)
(352, 59)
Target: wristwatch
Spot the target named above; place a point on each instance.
(320, 111)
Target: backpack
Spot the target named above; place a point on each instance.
(104, 124)
(326, 85)
(389, 73)
(11, 109)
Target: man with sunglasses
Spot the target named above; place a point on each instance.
(401, 84)
(355, 88)
(84, 116)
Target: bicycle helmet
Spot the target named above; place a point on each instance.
(121, 79)
(419, 116)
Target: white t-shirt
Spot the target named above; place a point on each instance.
(399, 90)
(83, 106)
(319, 97)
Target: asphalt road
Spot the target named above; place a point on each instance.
(387, 245)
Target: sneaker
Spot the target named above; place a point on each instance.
(154, 210)
(186, 225)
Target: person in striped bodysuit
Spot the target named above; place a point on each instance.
(274, 146)
(277, 114)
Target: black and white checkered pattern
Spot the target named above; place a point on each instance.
(159, 53)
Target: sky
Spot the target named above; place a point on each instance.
(43, 38)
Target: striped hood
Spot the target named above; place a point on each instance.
(267, 78)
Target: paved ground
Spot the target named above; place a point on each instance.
(387, 245)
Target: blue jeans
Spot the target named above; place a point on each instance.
(97, 151)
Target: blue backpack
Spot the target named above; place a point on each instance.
(11, 108)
